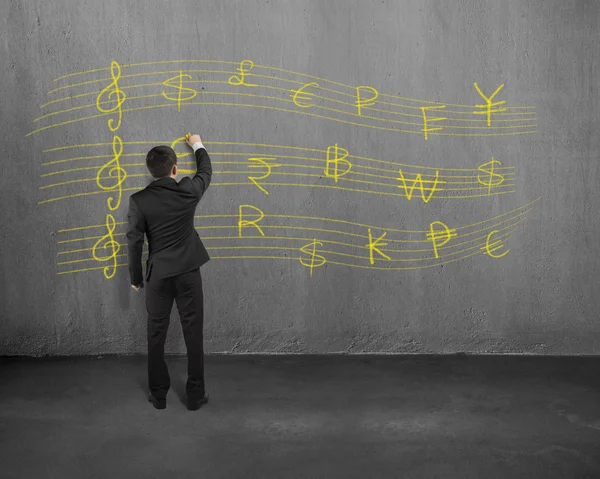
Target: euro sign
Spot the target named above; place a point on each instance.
(333, 158)
(441, 237)
(301, 95)
(489, 180)
(183, 93)
(310, 249)
(490, 248)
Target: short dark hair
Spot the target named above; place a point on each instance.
(160, 161)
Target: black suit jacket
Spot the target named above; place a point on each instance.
(164, 211)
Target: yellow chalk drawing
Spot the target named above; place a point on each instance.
(115, 172)
(426, 120)
(373, 246)
(361, 175)
(489, 169)
(245, 67)
(361, 101)
(243, 222)
(300, 96)
(259, 67)
(517, 120)
(107, 242)
(440, 238)
(262, 164)
(488, 104)
(336, 160)
(419, 180)
(181, 90)
(305, 249)
(473, 240)
(113, 90)
(489, 248)
(174, 143)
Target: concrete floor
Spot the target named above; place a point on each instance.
(304, 416)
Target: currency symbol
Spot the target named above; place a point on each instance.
(419, 181)
(243, 222)
(373, 246)
(108, 243)
(489, 248)
(300, 94)
(440, 238)
(489, 169)
(336, 161)
(245, 67)
(360, 101)
(113, 90)
(306, 249)
(426, 119)
(263, 163)
(171, 82)
(115, 171)
(183, 171)
(488, 104)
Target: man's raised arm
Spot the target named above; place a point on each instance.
(201, 180)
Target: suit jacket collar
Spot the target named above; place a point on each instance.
(163, 182)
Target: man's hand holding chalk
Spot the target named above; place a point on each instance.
(191, 140)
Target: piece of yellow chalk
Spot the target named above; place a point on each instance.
(187, 136)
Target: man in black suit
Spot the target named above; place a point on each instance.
(164, 211)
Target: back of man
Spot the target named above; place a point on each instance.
(164, 211)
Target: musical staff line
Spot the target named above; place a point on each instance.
(477, 249)
(282, 70)
(467, 239)
(330, 166)
(311, 95)
(351, 104)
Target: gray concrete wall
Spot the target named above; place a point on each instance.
(540, 298)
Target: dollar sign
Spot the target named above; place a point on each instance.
(489, 169)
(191, 93)
(306, 249)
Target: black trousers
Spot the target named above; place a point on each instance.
(186, 290)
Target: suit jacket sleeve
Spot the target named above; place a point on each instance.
(203, 175)
(135, 241)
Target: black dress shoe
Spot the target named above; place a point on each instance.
(157, 403)
(195, 404)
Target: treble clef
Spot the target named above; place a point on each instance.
(108, 243)
(113, 90)
(115, 172)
